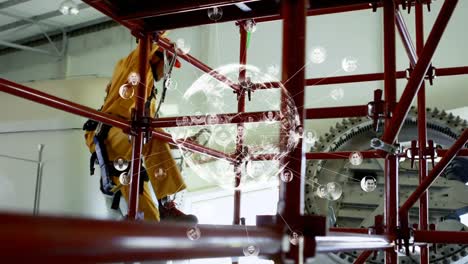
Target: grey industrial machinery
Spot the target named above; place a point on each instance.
(448, 196)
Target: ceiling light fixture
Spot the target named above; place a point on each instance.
(68, 7)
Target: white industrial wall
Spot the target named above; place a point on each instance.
(90, 60)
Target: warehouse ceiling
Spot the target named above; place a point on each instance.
(23, 21)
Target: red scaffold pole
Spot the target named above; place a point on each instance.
(240, 126)
(422, 136)
(441, 237)
(291, 194)
(419, 72)
(49, 239)
(144, 45)
(391, 161)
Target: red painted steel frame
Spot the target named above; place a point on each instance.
(294, 35)
(144, 46)
(166, 45)
(435, 172)
(294, 14)
(419, 72)
(422, 137)
(45, 239)
(442, 237)
(391, 161)
(240, 136)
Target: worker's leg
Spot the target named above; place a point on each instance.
(162, 169)
(118, 145)
(145, 202)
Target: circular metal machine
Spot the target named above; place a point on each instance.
(448, 196)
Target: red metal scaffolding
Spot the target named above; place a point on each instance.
(83, 240)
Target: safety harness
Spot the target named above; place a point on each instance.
(106, 166)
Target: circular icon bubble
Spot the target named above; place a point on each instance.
(121, 164)
(300, 131)
(337, 94)
(210, 93)
(241, 131)
(356, 158)
(273, 70)
(310, 137)
(251, 251)
(126, 91)
(193, 233)
(215, 13)
(182, 47)
(133, 78)
(368, 184)
(125, 178)
(349, 64)
(250, 26)
(170, 83)
(213, 119)
(160, 173)
(255, 169)
(198, 119)
(317, 55)
(223, 136)
(295, 237)
(183, 121)
(334, 191)
(269, 117)
(286, 176)
(322, 191)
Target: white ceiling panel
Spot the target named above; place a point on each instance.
(6, 19)
(13, 29)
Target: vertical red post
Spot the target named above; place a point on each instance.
(422, 134)
(291, 200)
(391, 161)
(240, 109)
(143, 47)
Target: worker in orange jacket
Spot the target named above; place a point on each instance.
(159, 166)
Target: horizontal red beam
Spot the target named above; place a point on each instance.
(441, 237)
(461, 153)
(369, 154)
(145, 9)
(452, 71)
(63, 239)
(368, 77)
(61, 104)
(335, 112)
(322, 11)
(194, 147)
(229, 118)
(77, 109)
(166, 45)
